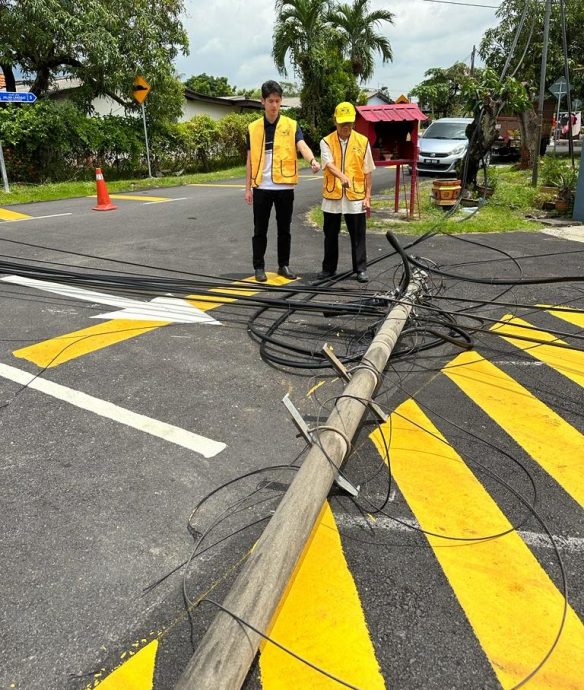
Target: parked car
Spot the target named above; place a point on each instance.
(443, 144)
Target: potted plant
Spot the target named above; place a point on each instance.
(486, 188)
(567, 181)
(552, 167)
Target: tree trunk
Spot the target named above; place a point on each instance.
(41, 81)
(9, 76)
(481, 134)
(529, 144)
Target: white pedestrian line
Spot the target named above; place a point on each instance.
(174, 434)
(515, 363)
(533, 539)
(162, 309)
(168, 309)
(22, 220)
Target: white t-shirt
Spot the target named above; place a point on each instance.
(343, 205)
(267, 182)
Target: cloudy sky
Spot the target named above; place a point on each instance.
(233, 38)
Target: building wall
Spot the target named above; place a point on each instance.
(213, 110)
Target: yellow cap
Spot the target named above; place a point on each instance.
(345, 112)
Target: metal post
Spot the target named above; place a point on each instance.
(3, 171)
(146, 139)
(567, 77)
(544, 53)
(557, 127)
(579, 202)
(227, 650)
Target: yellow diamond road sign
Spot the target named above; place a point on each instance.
(140, 89)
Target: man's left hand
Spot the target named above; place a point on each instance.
(314, 165)
(367, 203)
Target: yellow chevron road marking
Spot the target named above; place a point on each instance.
(206, 302)
(56, 351)
(5, 214)
(321, 619)
(137, 673)
(64, 348)
(576, 316)
(570, 363)
(511, 603)
(553, 443)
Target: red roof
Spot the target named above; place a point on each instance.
(395, 112)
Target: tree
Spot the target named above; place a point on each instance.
(303, 35)
(210, 86)
(485, 97)
(290, 88)
(102, 43)
(441, 91)
(359, 41)
(525, 64)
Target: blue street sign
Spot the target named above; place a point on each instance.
(17, 97)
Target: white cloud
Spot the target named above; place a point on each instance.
(233, 38)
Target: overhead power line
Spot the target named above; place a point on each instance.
(465, 4)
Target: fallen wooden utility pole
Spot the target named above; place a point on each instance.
(228, 648)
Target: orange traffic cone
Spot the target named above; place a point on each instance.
(104, 203)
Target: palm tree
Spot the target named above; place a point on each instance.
(357, 29)
(302, 35)
(298, 32)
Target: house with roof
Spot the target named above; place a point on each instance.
(194, 103)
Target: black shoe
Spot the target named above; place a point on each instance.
(260, 275)
(286, 273)
(362, 277)
(323, 275)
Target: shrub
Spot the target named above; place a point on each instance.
(552, 167)
(56, 141)
(231, 132)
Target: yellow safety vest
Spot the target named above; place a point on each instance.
(284, 159)
(353, 165)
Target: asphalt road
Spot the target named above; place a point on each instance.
(123, 432)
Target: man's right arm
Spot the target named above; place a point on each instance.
(248, 192)
(326, 157)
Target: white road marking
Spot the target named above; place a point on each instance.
(533, 539)
(165, 308)
(187, 439)
(22, 220)
(180, 198)
(515, 363)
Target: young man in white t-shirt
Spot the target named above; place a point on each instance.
(271, 175)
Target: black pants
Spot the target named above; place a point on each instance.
(356, 225)
(263, 199)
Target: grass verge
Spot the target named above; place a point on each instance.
(504, 212)
(25, 193)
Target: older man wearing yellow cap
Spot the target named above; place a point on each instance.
(347, 163)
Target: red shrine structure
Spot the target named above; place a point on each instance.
(392, 131)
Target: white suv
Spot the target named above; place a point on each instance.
(443, 144)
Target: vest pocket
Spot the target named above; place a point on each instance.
(288, 168)
(359, 185)
(330, 182)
